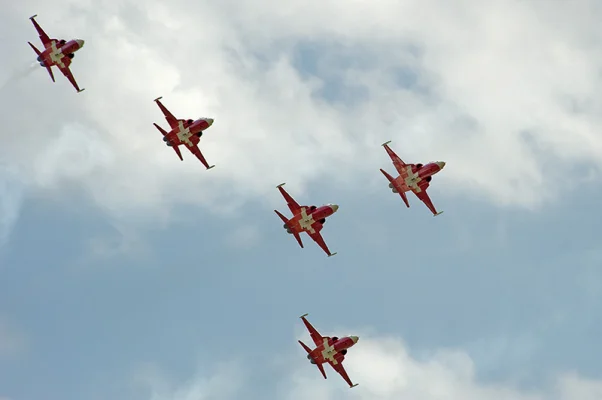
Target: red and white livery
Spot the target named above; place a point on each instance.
(184, 132)
(412, 177)
(309, 219)
(57, 53)
(331, 350)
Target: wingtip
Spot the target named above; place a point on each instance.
(333, 254)
(210, 167)
(33, 16)
(81, 90)
(352, 386)
(304, 315)
(439, 213)
(282, 184)
(158, 98)
(386, 143)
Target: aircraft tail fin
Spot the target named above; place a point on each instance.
(40, 60)
(394, 186)
(320, 366)
(295, 234)
(308, 350)
(175, 148)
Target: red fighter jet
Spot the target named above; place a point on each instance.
(412, 177)
(306, 219)
(186, 132)
(58, 53)
(329, 350)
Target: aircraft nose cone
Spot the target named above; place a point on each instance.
(441, 164)
(209, 121)
(334, 207)
(80, 42)
(354, 338)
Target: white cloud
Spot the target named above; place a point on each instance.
(223, 384)
(384, 370)
(507, 94)
(77, 154)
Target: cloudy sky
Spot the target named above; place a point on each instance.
(128, 274)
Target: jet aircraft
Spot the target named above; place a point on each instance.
(329, 350)
(412, 177)
(57, 53)
(186, 132)
(309, 219)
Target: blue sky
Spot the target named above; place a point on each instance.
(128, 274)
(514, 289)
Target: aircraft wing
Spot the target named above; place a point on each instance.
(43, 36)
(317, 237)
(64, 68)
(420, 192)
(315, 335)
(194, 149)
(290, 202)
(171, 120)
(400, 166)
(337, 365)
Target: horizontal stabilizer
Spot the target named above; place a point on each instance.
(298, 238)
(282, 217)
(307, 349)
(34, 49)
(394, 185)
(160, 129)
(389, 177)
